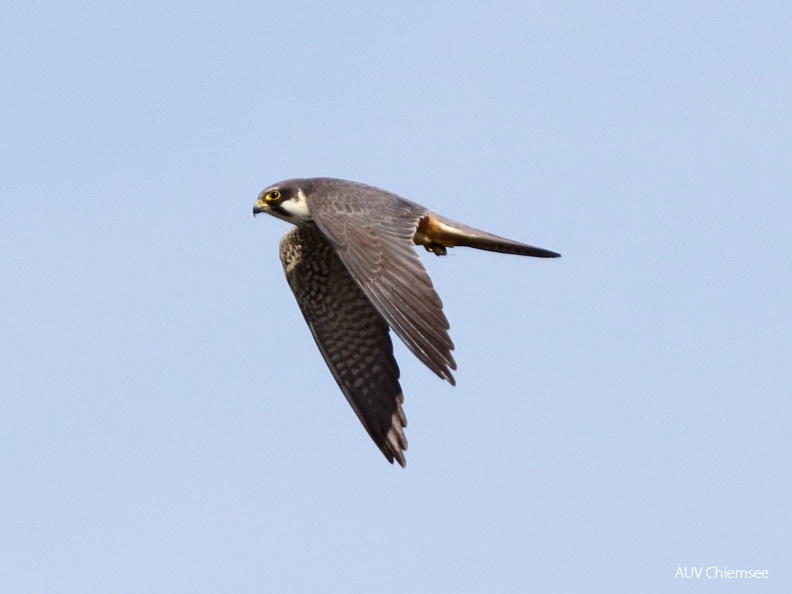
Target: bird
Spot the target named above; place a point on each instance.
(351, 262)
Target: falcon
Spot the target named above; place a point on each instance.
(352, 265)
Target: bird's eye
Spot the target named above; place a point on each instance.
(272, 196)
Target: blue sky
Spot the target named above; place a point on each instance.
(166, 423)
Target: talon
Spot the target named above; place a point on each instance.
(436, 248)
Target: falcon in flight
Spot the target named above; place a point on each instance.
(352, 265)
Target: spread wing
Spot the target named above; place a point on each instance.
(372, 231)
(351, 335)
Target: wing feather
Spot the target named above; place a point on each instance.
(372, 231)
(351, 335)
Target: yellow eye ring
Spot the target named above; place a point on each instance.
(272, 196)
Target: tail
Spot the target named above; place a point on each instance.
(436, 232)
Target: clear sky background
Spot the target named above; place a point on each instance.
(166, 422)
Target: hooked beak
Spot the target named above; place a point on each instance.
(259, 206)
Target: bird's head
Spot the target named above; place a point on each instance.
(284, 200)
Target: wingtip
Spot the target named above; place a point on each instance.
(538, 252)
(395, 443)
(395, 454)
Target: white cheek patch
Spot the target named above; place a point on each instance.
(297, 207)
